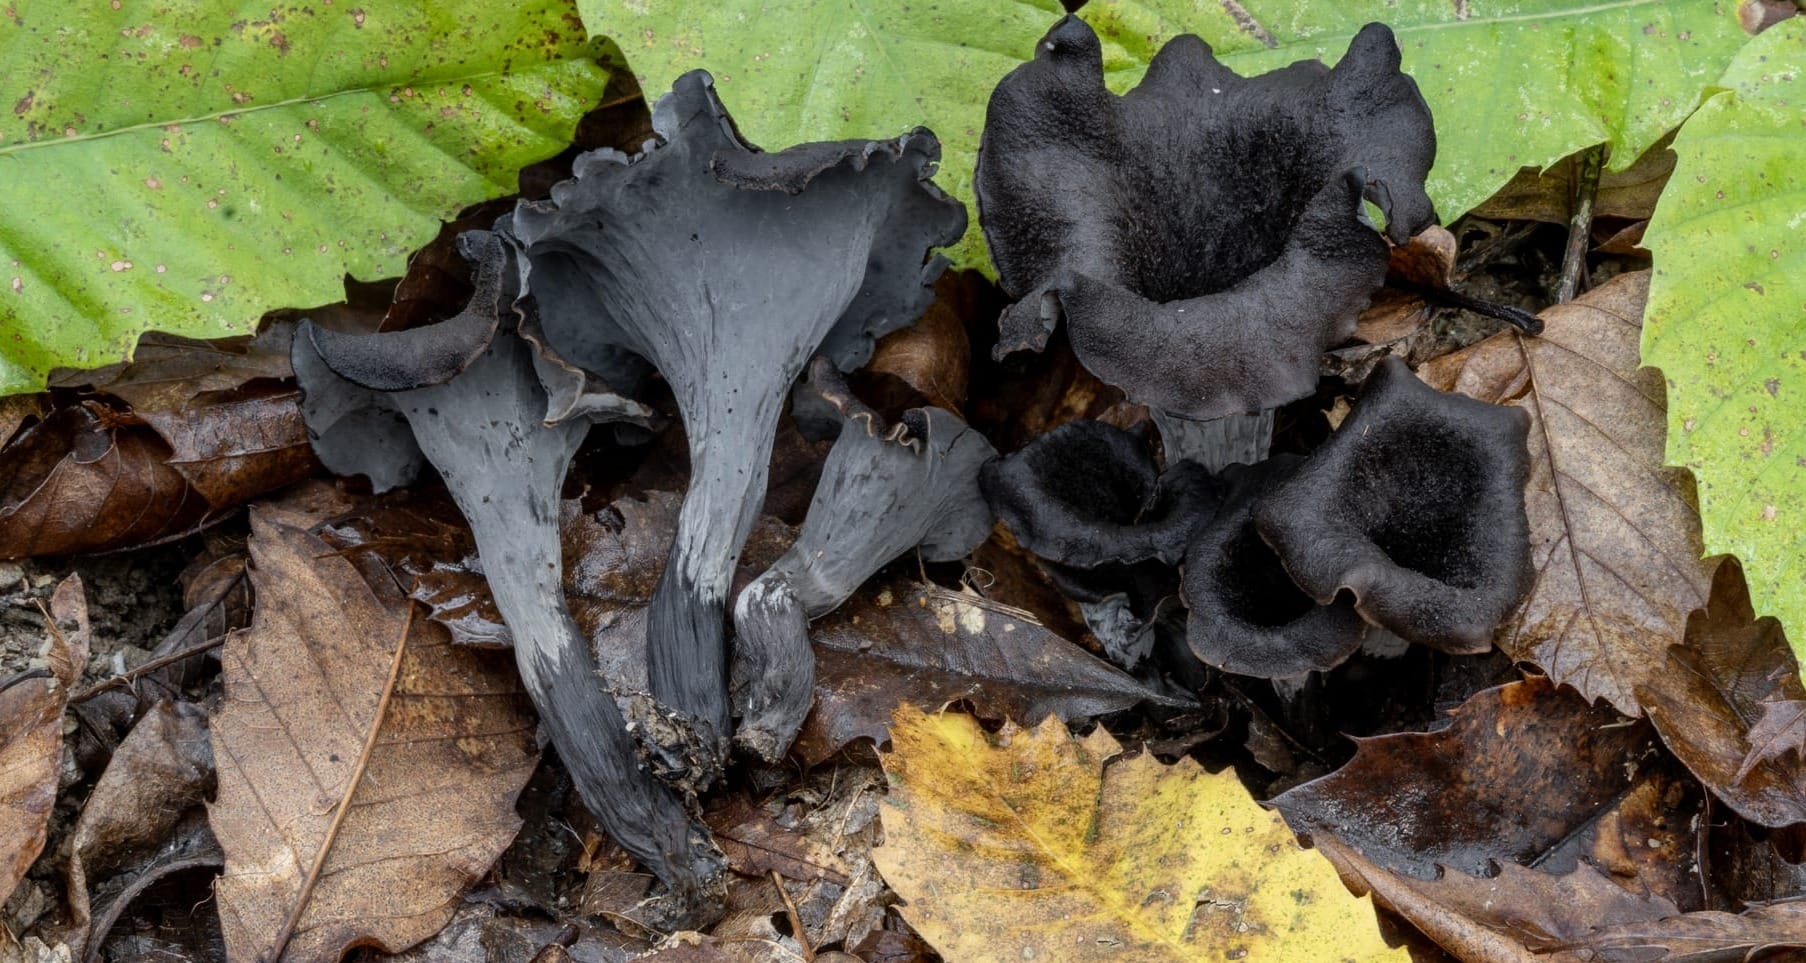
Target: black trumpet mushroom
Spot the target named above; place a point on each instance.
(1245, 614)
(880, 495)
(1089, 500)
(1203, 235)
(466, 395)
(727, 268)
(1415, 509)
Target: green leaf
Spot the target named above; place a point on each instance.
(1511, 84)
(186, 165)
(805, 70)
(1726, 320)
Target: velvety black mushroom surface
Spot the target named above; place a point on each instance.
(1203, 235)
(1415, 506)
(1087, 494)
(728, 268)
(478, 414)
(1246, 615)
(879, 497)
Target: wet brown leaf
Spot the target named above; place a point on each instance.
(162, 770)
(311, 687)
(168, 371)
(1547, 196)
(1780, 732)
(755, 845)
(1734, 673)
(1615, 535)
(1698, 938)
(31, 736)
(91, 477)
(1520, 771)
(931, 360)
(898, 642)
(1508, 917)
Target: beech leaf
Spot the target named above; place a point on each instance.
(1614, 536)
(1034, 844)
(232, 161)
(313, 684)
(1725, 314)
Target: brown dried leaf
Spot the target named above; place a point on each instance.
(31, 736)
(89, 477)
(932, 359)
(1520, 771)
(163, 769)
(755, 845)
(305, 686)
(1615, 535)
(1501, 918)
(168, 371)
(1548, 195)
(1733, 674)
(1780, 731)
(897, 642)
(74, 483)
(1698, 938)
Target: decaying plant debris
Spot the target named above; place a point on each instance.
(1120, 490)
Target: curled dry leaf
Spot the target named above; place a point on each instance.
(161, 771)
(1521, 770)
(90, 477)
(1035, 844)
(930, 361)
(31, 736)
(1614, 535)
(1548, 195)
(898, 642)
(1734, 673)
(425, 750)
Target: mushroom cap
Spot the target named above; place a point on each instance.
(1415, 506)
(1087, 494)
(1246, 615)
(1203, 234)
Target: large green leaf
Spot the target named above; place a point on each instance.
(1726, 320)
(803, 70)
(185, 165)
(1512, 83)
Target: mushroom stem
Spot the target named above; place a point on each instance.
(686, 650)
(774, 667)
(1216, 443)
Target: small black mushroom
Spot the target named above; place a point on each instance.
(727, 268)
(1415, 507)
(1246, 615)
(465, 395)
(1087, 495)
(1203, 235)
(879, 497)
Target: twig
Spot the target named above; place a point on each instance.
(796, 919)
(1516, 317)
(338, 817)
(147, 668)
(1580, 226)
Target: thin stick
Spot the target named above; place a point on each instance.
(148, 667)
(26, 676)
(1580, 226)
(796, 919)
(351, 784)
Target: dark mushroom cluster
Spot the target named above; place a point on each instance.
(1203, 238)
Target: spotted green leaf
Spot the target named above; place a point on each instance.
(186, 165)
(1511, 83)
(1726, 320)
(802, 70)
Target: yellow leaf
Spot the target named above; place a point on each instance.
(1037, 845)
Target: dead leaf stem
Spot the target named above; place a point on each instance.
(796, 918)
(351, 783)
